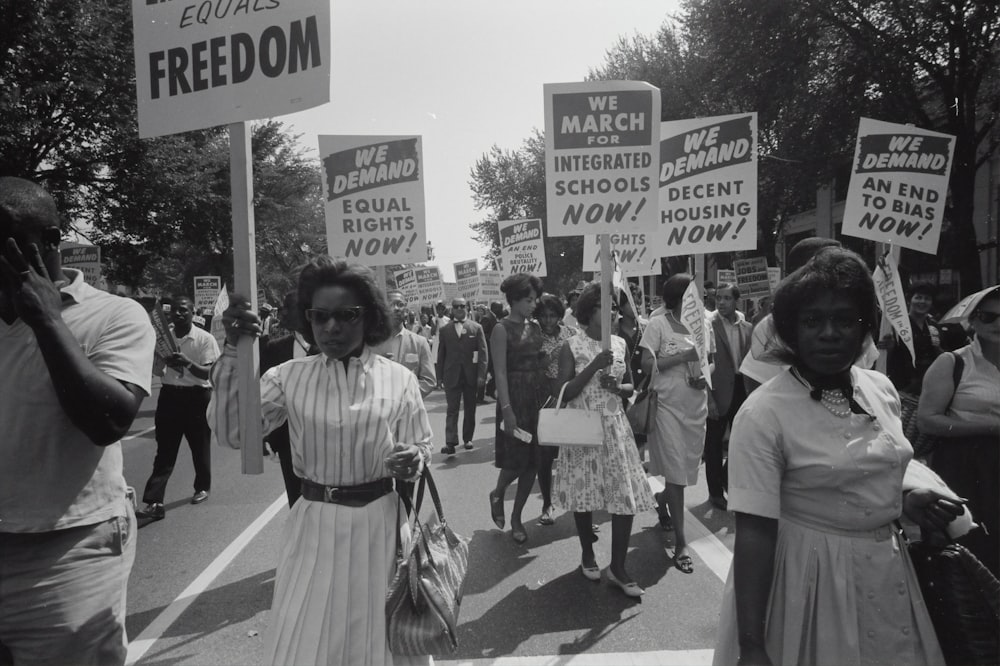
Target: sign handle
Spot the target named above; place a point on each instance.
(245, 273)
(606, 269)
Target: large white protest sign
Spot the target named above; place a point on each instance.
(430, 287)
(708, 185)
(489, 285)
(206, 291)
(201, 64)
(84, 258)
(406, 282)
(467, 278)
(601, 157)
(373, 192)
(892, 302)
(899, 183)
(522, 247)
(636, 253)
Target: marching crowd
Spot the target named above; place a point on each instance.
(818, 470)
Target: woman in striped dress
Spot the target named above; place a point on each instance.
(356, 422)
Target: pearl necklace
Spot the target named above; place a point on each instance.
(835, 401)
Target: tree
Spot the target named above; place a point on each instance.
(511, 186)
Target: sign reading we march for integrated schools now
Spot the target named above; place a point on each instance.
(373, 191)
(899, 183)
(206, 291)
(708, 185)
(522, 248)
(201, 64)
(601, 157)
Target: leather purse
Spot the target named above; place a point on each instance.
(924, 444)
(641, 413)
(569, 426)
(425, 595)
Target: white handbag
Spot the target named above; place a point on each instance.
(568, 426)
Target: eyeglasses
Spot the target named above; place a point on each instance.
(345, 316)
(460, 306)
(840, 322)
(985, 316)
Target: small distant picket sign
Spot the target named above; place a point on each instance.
(752, 277)
(84, 258)
(373, 193)
(601, 157)
(522, 247)
(430, 287)
(637, 253)
(899, 183)
(201, 64)
(206, 291)
(489, 286)
(467, 278)
(725, 276)
(450, 290)
(774, 277)
(708, 185)
(406, 282)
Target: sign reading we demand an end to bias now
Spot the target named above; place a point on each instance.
(522, 247)
(899, 182)
(708, 185)
(373, 194)
(601, 157)
(213, 62)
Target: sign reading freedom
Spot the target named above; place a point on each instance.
(202, 64)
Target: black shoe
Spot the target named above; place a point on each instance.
(199, 497)
(719, 502)
(449, 450)
(152, 511)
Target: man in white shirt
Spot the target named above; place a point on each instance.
(180, 411)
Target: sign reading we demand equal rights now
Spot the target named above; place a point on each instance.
(201, 64)
(708, 185)
(522, 247)
(373, 194)
(898, 185)
(601, 157)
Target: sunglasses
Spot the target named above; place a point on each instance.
(345, 316)
(985, 317)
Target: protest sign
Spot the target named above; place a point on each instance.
(430, 288)
(489, 285)
(84, 258)
(725, 276)
(773, 277)
(406, 282)
(522, 247)
(450, 290)
(201, 64)
(892, 301)
(899, 182)
(217, 329)
(601, 157)
(636, 253)
(693, 318)
(166, 343)
(708, 185)
(373, 194)
(206, 291)
(752, 277)
(467, 278)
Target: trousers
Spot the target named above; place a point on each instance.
(180, 412)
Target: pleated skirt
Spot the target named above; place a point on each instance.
(333, 572)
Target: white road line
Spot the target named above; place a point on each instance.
(139, 434)
(702, 541)
(138, 647)
(655, 658)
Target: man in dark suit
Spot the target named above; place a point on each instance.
(732, 342)
(488, 320)
(461, 366)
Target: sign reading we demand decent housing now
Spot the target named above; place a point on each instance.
(601, 157)
(201, 64)
(373, 193)
(898, 185)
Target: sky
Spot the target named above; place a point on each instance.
(464, 75)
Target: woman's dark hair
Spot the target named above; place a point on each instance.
(833, 270)
(588, 303)
(674, 288)
(519, 285)
(324, 271)
(549, 303)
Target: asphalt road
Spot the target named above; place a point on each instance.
(203, 578)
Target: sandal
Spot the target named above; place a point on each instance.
(496, 511)
(684, 563)
(546, 518)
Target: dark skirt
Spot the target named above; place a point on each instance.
(527, 391)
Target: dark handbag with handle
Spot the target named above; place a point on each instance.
(642, 413)
(424, 596)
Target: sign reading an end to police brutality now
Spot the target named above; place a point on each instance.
(373, 191)
(898, 185)
(214, 62)
(522, 248)
(601, 157)
(467, 278)
(708, 185)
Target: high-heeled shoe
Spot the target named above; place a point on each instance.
(590, 573)
(630, 589)
(496, 510)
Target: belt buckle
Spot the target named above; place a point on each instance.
(331, 494)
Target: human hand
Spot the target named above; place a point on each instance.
(509, 420)
(698, 383)
(239, 320)
(177, 360)
(690, 354)
(404, 461)
(27, 285)
(609, 383)
(930, 509)
(604, 359)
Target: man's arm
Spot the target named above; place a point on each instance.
(483, 357)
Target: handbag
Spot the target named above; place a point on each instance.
(425, 595)
(569, 426)
(642, 413)
(923, 444)
(962, 598)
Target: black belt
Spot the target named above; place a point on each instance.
(359, 495)
(171, 387)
